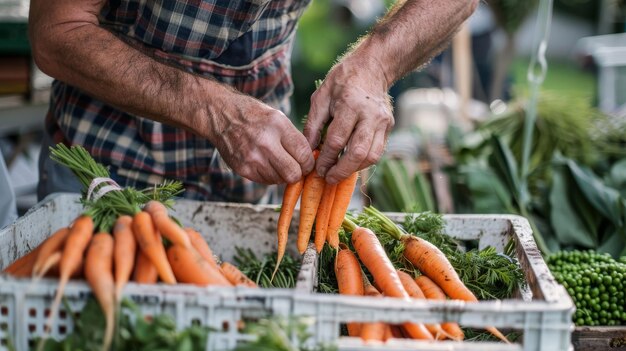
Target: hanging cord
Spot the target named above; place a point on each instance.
(537, 70)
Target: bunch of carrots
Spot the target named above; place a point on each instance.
(321, 204)
(134, 250)
(438, 281)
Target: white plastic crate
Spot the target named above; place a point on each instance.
(542, 312)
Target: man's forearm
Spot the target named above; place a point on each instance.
(89, 57)
(411, 33)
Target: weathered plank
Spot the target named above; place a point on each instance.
(599, 338)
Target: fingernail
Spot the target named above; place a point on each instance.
(331, 180)
(322, 171)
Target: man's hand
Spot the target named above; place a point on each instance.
(261, 144)
(355, 97)
(354, 94)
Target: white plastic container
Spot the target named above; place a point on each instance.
(542, 312)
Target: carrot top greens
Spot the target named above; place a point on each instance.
(106, 209)
(487, 273)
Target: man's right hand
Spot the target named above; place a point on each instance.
(260, 143)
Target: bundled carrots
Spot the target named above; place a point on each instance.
(321, 204)
(134, 251)
(438, 280)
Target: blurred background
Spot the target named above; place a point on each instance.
(458, 142)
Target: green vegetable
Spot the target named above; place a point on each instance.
(394, 188)
(567, 204)
(134, 333)
(327, 282)
(159, 333)
(596, 284)
(279, 334)
(260, 269)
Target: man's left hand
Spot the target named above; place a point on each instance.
(354, 97)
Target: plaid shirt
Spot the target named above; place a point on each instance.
(242, 43)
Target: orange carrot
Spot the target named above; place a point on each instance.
(203, 248)
(124, 253)
(387, 335)
(23, 266)
(236, 277)
(145, 272)
(433, 292)
(290, 199)
(311, 196)
(189, 267)
(323, 215)
(165, 225)
(151, 246)
(343, 195)
(415, 292)
(51, 267)
(429, 288)
(99, 274)
(53, 243)
(76, 242)
(410, 286)
(374, 331)
(52, 262)
(373, 256)
(434, 264)
(348, 273)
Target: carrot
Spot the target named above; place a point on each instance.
(236, 277)
(124, 253)
(76, 242)
(203, 248)
(189, 267)
(343, 195)
(373, 256)
(348, 273)
(433, 292)
(99, 274)
(290, 198)
(311, 196)
(23, 266)
(145, 272)
(387, 335)
(415, 292)
(53, 243)
(410, 286)
(323, 215)
(374, 331)
(165, 225)
(151, 245)
(434, 264)
(51, 268)
(52, 262)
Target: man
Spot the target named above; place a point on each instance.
(182, 89)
